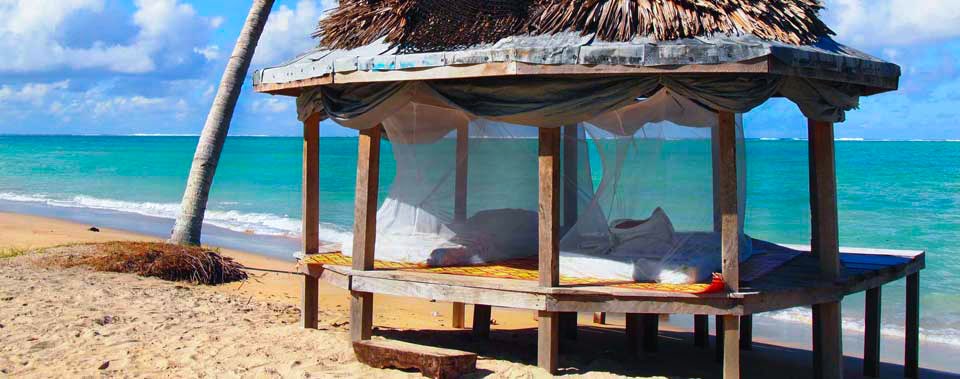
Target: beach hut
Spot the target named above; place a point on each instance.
(585, 156)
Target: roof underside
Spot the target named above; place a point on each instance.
(438, 25)
(574, 54)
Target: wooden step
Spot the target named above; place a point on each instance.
(433, 362)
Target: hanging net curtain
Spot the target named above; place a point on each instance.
(636, 196)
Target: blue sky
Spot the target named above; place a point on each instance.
(152, 66)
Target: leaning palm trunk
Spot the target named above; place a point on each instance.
(194, 204)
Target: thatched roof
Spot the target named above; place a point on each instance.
(434, 25)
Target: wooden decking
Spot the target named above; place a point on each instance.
(795, 283)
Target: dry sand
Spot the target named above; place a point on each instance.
(78, 323)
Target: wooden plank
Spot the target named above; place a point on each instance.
(365, 229)
(310, 302)
(433, 362)
(310, 192)
(458, 315)
(828, 343)
(746, 332)
(651, 331)
(911, 359)
(600, 318)
(481, 321)
(365, 200)
(548, 341)
(361, 316)
(715, 163)
(570, 176)
(463, 164)
(549, 212)
(731, 347)
(633, 330)
(823, 198)
(293, 88)
(448, 292)
(568, 325)
(429, 73)
(701, 331)
(730, 224)
(871, 338)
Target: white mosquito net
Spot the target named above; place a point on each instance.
(637, 201)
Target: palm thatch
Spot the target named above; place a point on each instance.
(430, 25)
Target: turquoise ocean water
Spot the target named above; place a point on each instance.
(900, 195)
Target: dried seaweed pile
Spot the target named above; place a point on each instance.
(430, 25)
(161, 260)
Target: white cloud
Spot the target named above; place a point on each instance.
(209, 53)
(168, 33)
(271, 105)
(870, 23)
(33, 93)
(288, 31)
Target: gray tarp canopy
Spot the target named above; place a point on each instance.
(730, 73)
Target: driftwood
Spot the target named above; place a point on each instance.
(431, 361)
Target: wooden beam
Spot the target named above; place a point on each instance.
(460, 194)
(310, 192)
(458, 315)
(731, 347)
(911, 359)
(730, 219)
(828, 346)
(570, 176)
(433, 362)
(871, 335)
(651, 331)
(549, 212)
(633, 330)
(310, 302)
(746, 332)
(310, 240)
(701, 331)
(481, 321)
(823, 198)
(365, 228)
(548, 341)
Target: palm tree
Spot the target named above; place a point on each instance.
(187, 229)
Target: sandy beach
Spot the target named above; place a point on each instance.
(75, 322)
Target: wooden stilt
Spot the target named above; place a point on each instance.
(871, 335)
(568, 325)
(548, 341)
(600, 318)
(311, 215)
(365, 228)
(718, 330)
(481, 321)
(309, 306)
(651, 331)
(633, 329)
(701, 332)
(911, 359)
(729, 210)
(731, 347)
(828, 344)
(746, 332)
(458, 315)
(570, 177)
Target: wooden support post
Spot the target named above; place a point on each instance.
(568, 325)
(730, 224)
(481, 321)
(570, 176)
(731, 347)
(458, 315)
(911, 359)
(715, 160)
(549, 243)
(311, 217)
(746, 332)
(633, 329)
(600, 318)
(548, 343)
(651, 331)
(871, 333)
(828, 343)
(701, 332)
(365, 228)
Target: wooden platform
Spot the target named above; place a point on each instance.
(796, 283)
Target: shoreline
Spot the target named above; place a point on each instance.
(20, 230)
